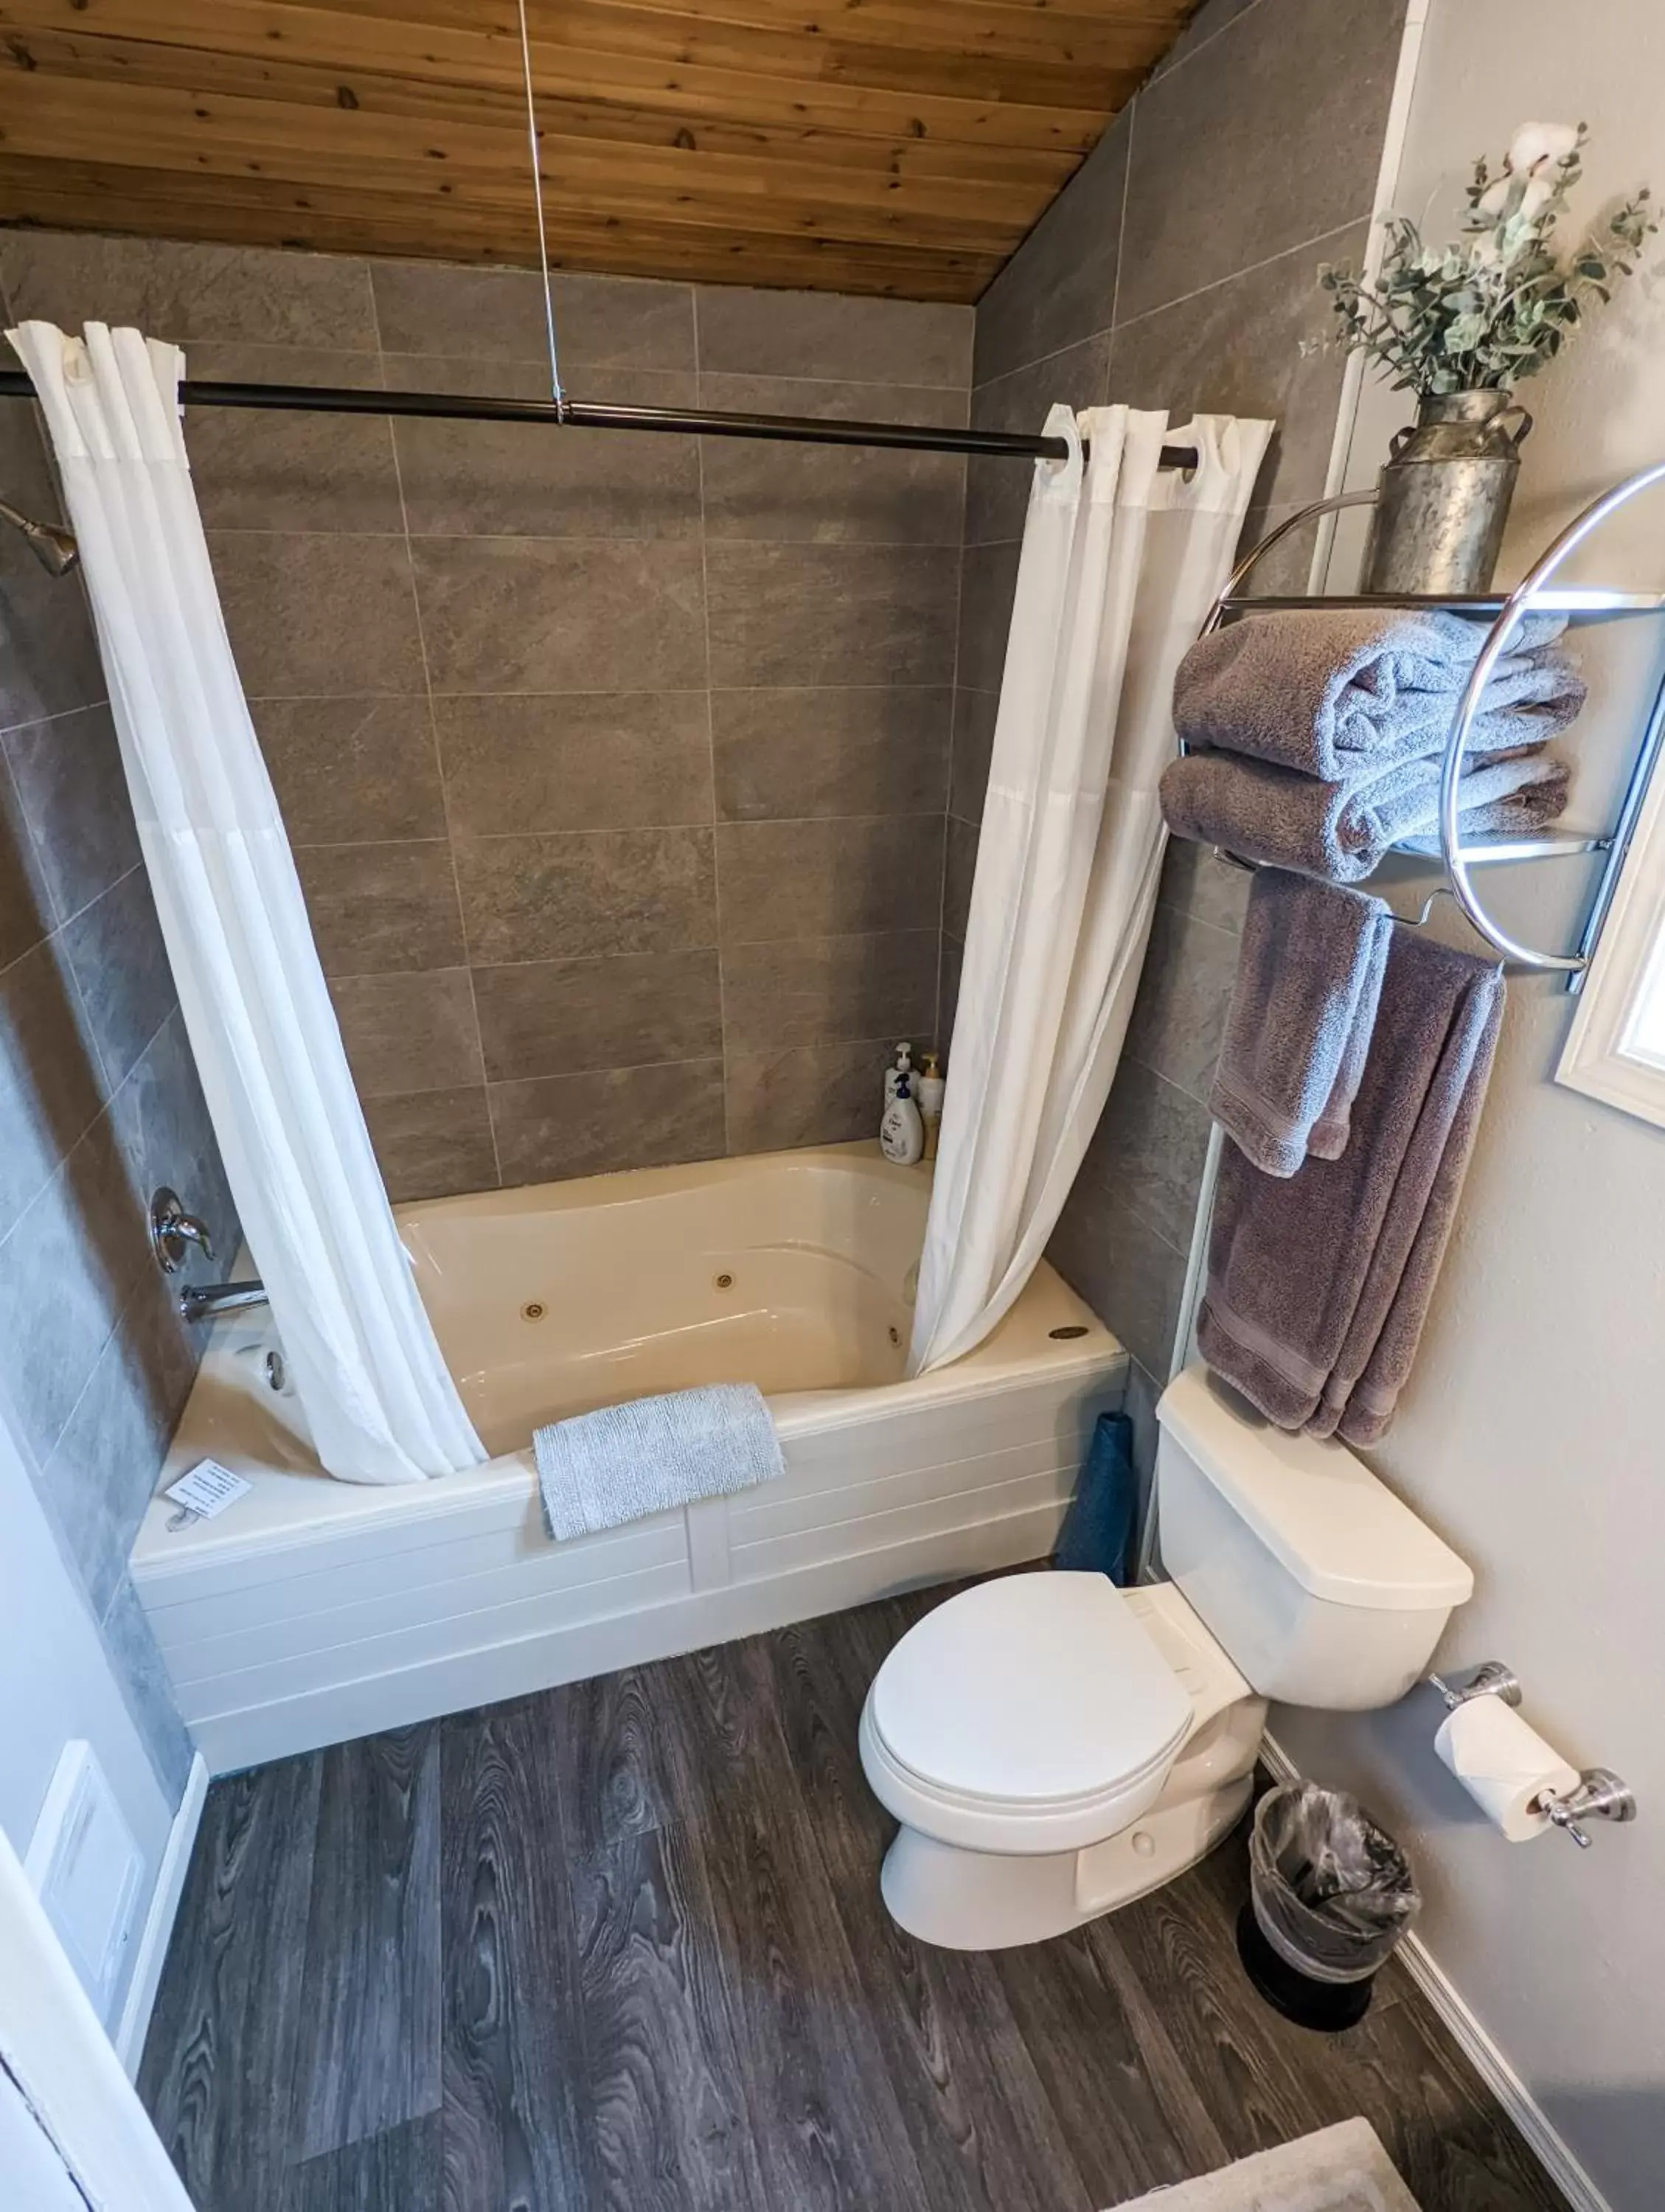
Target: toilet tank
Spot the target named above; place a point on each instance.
(1321, 1585)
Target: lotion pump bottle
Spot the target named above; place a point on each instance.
(928, 1090)
(901, 1132)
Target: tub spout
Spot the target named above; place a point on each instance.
(206, 1301)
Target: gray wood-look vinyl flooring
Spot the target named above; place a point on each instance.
(620, 1945)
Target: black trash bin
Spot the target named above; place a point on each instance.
(1330, 1895)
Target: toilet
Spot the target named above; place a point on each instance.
(1055, 1747)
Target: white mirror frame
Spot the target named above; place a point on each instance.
(1602, 1058)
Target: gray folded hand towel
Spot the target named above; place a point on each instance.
(1340, 692)
(1318, 1284)
(1309, 974)
(1338, 832)
(599, 1470)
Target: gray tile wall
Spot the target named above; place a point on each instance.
(616, 767)
(99, 1102)
(1178, 270)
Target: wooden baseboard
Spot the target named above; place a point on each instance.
(146, 1978)
(1478, 2046)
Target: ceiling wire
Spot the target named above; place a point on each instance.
(556, 387)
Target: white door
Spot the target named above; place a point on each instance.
(56, 2061)
(36, 2177)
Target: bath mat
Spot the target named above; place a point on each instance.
(1340, 2169)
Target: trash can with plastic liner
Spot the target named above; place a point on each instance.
(1330, 1895)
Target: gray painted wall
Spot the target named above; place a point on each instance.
(616, 767)
(1529, 1433)
(99, 1102)
(1177, 270)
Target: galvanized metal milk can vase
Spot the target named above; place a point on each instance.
(1442, 498)
(1462, 324)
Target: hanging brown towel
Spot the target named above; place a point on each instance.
(1310, 969)
(1319, 1284)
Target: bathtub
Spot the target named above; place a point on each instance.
(313, 1611)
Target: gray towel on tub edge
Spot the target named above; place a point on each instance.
(1318, 1284)
(1310, 969)
(624, 1462)
(1340, 832)
(1340, 692)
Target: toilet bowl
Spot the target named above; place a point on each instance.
(1054, 1746)
(1103, 1742)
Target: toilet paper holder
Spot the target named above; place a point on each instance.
(1601, 1795)
(1493, 1680)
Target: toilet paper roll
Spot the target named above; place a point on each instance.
(1504, 1765)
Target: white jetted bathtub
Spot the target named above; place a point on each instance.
(315, 1610)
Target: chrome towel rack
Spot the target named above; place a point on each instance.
(1535, 593)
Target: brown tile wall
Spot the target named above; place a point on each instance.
(99, 1103)
(1176, 270)
(616, 767)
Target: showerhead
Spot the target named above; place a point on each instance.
(54, 548)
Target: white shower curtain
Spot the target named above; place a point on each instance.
(1120, 561)
(381, 1404)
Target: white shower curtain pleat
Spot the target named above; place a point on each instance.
(379, 1401)
(1120, 561)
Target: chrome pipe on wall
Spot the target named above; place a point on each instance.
(54, 547)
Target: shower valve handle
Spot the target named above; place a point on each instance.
(173, 1231)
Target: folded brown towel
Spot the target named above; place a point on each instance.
(1308, 976)
(1340, 832)
(1318, 1284)
(1337, 692)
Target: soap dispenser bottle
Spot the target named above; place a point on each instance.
(893, 1075)
(901, 1132)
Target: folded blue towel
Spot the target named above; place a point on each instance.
(625, 1461)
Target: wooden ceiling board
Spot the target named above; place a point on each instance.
(888, 146)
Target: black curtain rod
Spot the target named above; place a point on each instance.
(581, 414)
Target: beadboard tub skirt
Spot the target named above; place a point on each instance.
(313, 1611)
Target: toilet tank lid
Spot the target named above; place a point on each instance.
(1340, 1531)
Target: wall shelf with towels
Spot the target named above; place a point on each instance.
(1589, 602)
(1535, 593)
(1479, 851)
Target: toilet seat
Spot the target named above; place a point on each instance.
(1032, 1713)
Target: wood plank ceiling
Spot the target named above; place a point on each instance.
(892, 146)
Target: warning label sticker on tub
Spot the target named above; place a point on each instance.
(208, 1489)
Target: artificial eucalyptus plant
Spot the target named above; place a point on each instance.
(1499, 303)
